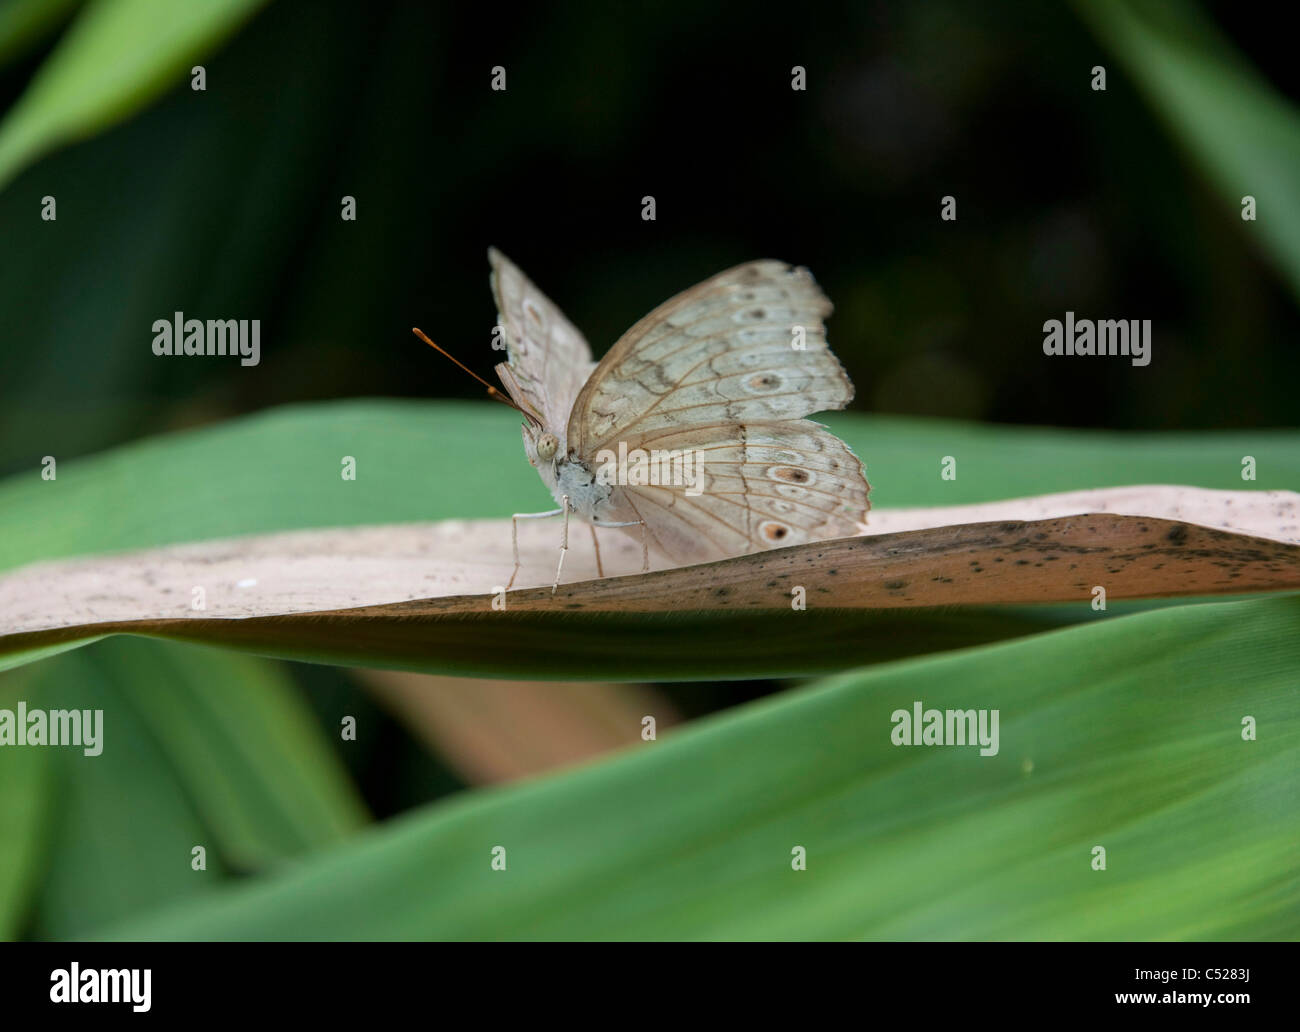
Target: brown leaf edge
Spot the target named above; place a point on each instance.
(979, 564)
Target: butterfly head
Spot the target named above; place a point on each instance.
(544, 449)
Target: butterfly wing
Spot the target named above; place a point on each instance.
(715, 368)
(717, 354)
(762, 485)
(548, 359)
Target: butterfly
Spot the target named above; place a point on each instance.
(720, 375)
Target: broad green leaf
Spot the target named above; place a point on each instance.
(1126, 735)
(248, 753)
(1243, 132)
(199, 747)
(417, 461)
(122, 827)
(278, 470)
(114, 59)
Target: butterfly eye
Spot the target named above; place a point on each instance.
(547, 445)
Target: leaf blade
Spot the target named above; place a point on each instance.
(1132, 727)
(99, 75)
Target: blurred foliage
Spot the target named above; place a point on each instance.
(1245, 135)
(207, 749)
(24, 22)
(98, 73)
(225, 204)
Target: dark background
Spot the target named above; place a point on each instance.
(225, 204)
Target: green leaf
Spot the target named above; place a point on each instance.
(23, 22)
(244, 747)
(279, 470)
(26, 803)
(199, 748)
(1243, 132)
(115, 58)
(122, 827)
(32, 655)
(420, 461)
(1126, 735)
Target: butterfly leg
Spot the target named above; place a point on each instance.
(595, 543)
(564, 544)
(514, 535)
(645, 544)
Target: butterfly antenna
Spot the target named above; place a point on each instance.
(492, 391)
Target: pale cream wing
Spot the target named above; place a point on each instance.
(763, 485)
(720, 354)
(549, 360)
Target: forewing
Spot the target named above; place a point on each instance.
(720, 354)
(763, 485)
(549, 361)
